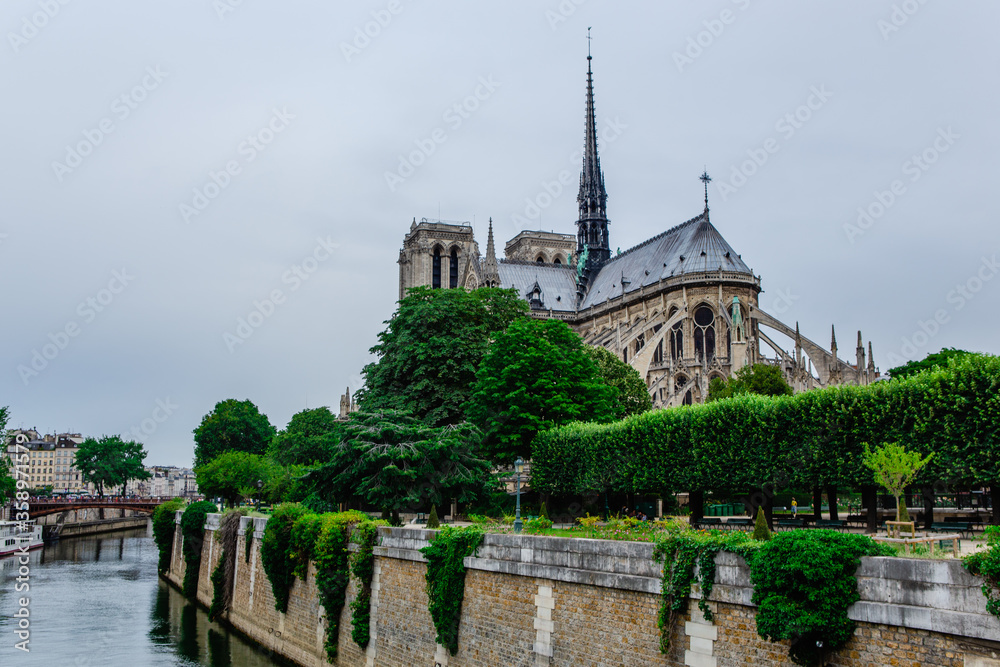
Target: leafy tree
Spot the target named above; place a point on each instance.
(394, 461)
(431, 348)
(535, 376)
(632, 397)
(762, 379)
(8, 484)
(894, 469)
(309, 438)
(110, 462)
(233, 475)
(232, 426)
(932, 360)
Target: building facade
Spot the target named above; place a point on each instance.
(165, 482)
(51, 460)
(681, 307)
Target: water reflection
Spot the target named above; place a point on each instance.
(98, 601)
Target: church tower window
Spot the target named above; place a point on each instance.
(436, 276)
(453, 269)
(677, 341)
(704, 334)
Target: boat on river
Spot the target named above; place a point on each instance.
(13, 538)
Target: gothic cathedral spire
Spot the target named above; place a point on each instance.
(592, 225)
(491, 275)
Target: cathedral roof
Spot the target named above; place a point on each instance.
(695, 246)
(556, 281)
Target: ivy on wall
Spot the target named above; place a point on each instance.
(986, 564)
(225, 570)
(164, 526)
(363, 569)
(193, 531)
(275, 552)
(332, 569)
(446, 579)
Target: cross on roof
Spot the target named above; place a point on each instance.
(706, 179)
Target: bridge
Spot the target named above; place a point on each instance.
(40, 507)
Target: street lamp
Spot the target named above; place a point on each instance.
(518, 468)
(260, 485)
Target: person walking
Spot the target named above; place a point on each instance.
(795, 508)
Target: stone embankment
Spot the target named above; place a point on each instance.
(557, 601)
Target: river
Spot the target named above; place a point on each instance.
(97, 601)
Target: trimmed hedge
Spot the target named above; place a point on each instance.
(812, 438)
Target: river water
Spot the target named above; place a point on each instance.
(97, 601)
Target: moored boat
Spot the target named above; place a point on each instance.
(15, 540)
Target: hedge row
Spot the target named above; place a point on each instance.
(812, 438)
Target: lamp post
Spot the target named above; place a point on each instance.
(260, 485)
(518, 467)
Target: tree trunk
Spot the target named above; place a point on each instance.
(696, 499)
(995, 502)
(831, 497)
(928, 506)
(817, 502)
(769, 506)
(869, 499)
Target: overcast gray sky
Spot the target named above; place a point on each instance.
(167, 166)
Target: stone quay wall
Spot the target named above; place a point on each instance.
(532, 601)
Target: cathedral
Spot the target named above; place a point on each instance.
(681, 308)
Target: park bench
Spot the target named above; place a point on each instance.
(738, 523)
(708, 522)
(832, 524)
(962, 527)
(788, 524)
(929, 540)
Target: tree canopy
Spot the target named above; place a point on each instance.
(233, 426)
(394, 461)
(932, 360)
(234, 475)
(535, 376)
(310, 437)
(631, 397)
(110, 462)
(8, 485)
(762, 379)
(430, 350)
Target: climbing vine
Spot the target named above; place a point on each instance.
(276, 552)
(302, 542)
(225, 570)
(332, 569)
(193, 531)
(986, 564)
(680, 552)
(363, 568)
(164, 526)
(446, 579)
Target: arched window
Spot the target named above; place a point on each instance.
(677, 341)
(658, 354)
(436, 275)
(540, 260)
(557, 260)
(640, 340)
(453, 269)
(704, 334)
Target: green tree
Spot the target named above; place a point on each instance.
(535, 376)
(894, 469)
(431, 348)
(233, 426)
(110, 462)
(932, 360)
(394, 461)
(310, 437)
(8, 484)
(762, 379)
(234, 475)
(631, 397)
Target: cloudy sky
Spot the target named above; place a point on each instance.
(202, 200)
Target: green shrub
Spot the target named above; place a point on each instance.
(543, 512)
(164, 526)
(803, 584)
(193, 531)
(446, 579)
(302, 542)
(332, 571)
(537, 525)
(986, 564)
(761, 532)
(432, 519)
(276, 552)
(363, 568)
